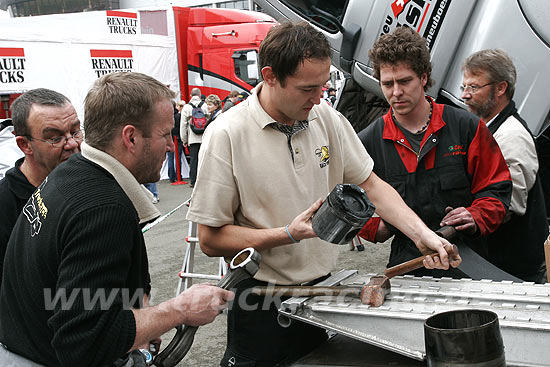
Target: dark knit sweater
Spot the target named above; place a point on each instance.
(15, 190)
(80, 235)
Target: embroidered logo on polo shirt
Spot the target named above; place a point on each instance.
(324, 156)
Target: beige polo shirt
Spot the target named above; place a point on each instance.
(247, 177)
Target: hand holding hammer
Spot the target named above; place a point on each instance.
(378, 287)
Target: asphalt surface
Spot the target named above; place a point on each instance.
(166, 249)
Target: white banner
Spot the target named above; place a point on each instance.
(68, 52)
(9, 151)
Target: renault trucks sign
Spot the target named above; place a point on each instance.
(122, 22)
(12, 65)
(111, 61)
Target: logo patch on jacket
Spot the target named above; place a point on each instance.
(324, 155)
(457, 149)
(35, 208)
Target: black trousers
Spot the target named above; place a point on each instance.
(254, 337)
(194, 162)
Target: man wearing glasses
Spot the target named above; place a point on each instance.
(442, 160)
(488, 87)
(48, 133)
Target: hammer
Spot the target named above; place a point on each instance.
(244, 265)
(372, 294)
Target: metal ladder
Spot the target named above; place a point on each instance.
(186, 275)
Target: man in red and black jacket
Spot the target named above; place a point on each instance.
(442, 160)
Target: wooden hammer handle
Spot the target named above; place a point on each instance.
(447, 232)
(407, 266)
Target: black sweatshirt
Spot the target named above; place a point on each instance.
(80, 238)
(15, 190)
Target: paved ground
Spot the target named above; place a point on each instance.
(166, 248)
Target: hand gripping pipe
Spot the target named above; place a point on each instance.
(244, 265)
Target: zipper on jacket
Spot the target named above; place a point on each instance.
(412, 150)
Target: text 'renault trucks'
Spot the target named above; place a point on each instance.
(453, 31)
(213, 49)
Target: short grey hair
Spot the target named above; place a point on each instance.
(21, 107)
(195, 92)
(498, 66)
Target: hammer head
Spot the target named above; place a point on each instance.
(375, 291)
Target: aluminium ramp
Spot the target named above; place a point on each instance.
(398, 325)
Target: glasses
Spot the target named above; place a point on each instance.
(473, 89)
(60, 141)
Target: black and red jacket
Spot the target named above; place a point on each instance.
(459, 165)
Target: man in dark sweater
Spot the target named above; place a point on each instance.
(76, 281)
(48, 133)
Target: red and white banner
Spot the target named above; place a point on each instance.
(68, 52)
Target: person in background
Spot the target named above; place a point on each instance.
(179, 105)
(324, 90)
(77, 284)
(153, 189)
(269, 161)
(232, 100)
(331, 96)
(48, 132)
(214, 105)
(188, 137)
(487, 89)
(442, 160)
(171, 156)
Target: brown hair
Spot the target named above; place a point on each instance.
(119, 99)
(498, 66)
(405, 46)
(287, 45)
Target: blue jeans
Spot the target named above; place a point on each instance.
(172, 165)
(153, 188)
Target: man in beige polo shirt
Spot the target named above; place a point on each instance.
(260, 170)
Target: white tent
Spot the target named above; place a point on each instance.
(9, 152)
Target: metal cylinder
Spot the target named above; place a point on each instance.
(343, 213)
(464, 338)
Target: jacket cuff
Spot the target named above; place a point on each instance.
(369, 230)
(488, 213)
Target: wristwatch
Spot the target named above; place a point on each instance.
(148, 356)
